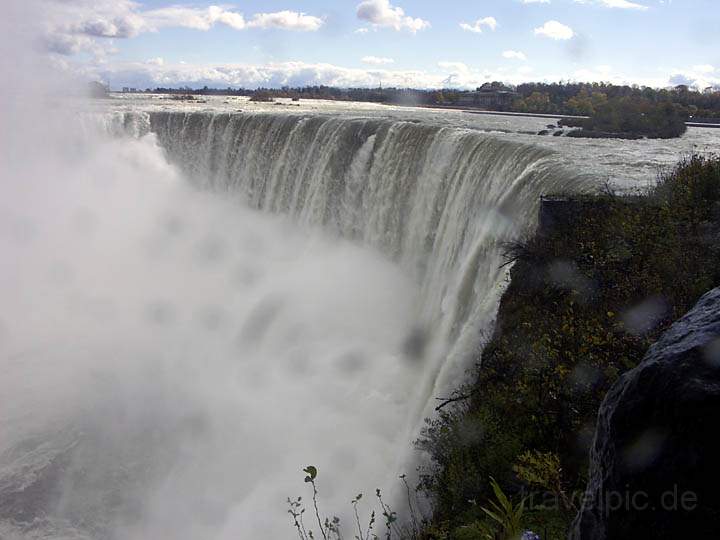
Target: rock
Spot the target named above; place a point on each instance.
(654, 469)
(558, 133)
(590, 134)
(543, 132)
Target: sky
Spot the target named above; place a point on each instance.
(404, 43)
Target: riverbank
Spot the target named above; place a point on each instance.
(589, 293)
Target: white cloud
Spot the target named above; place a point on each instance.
(144, 75)
(286, 20)
(377, 60)
(383, 14)
(514, 55)
(555, 30)
(477, 26)
(205, 19)
(80, 25)
(619, 4)
(195, 18)
(448, 74)
(254, 76)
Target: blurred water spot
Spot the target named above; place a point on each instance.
(210, 249)
(244, 276)
(211, 318)
(585, 437)
(260, 319)
(415, 343)
(566, 275)
(174, 225)
(161, 313)
(471, 431)
(645, 317)
(585, 375)
(351, 362)
(711, 353)
(643, 451)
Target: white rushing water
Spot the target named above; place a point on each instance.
(172, 357)
(197, 304)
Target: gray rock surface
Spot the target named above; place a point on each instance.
(654, 466)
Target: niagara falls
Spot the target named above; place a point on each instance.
(269, 290)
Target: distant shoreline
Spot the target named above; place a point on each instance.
(710, 125)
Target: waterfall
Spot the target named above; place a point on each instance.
(174, 354)
(439, 201)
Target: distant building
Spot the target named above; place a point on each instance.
(488, 96)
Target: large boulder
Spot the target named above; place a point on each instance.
(655, 462)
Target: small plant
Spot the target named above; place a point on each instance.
(507, 517)
(363, 535)
(330, 527)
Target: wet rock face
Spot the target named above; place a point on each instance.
(655, 462)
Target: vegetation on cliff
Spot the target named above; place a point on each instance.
(587, 297)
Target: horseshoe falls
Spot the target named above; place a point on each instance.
(439, 202)
(197, 305)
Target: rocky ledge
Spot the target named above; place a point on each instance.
(654, 466)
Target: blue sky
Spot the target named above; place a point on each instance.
(419, 43)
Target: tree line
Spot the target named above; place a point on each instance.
(582, 99)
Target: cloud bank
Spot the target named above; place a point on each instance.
(156, 72)
(87, 26)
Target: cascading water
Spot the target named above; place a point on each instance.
(438, 201)
(174, 356)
